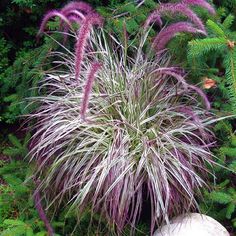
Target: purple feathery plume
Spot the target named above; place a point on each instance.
(77, 14)
(88, 87)
(39, 207)
(78, 9)
(80, 6)
(201, 3)
(184, 10)
(48, 16)
(154, 17)
(73, 16)
(76, 19)
(72, 11)
(168, 33)
(202, 94)
(90, 20)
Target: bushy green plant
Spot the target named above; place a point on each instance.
(220, 202)
(17, 147)
(126, 14)
(4, 49)
(225, 6)
(19, 81)
(17, 213)
(19, 65)
(215, 57)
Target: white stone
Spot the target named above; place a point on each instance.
(193, 224)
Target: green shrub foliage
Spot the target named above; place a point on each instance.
(220, 202)
(217, 52)
(17, 213)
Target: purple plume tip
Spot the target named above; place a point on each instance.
(88, 87)
(201, 3)
(48, 16)
(162, 39)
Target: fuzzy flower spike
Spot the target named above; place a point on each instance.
(85, 16)
(48, 16)
(71, 12)
(175, 9)
(91, 20)
(194, 26)
(170, 31)
(201, 3)
(75, 12)
(132, 130)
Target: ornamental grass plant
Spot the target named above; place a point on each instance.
(117, 124)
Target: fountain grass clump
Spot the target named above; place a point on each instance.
(117, 124)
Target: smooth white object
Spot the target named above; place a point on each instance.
(193, 224)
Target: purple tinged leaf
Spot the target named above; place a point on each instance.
(39, 207)
(173, 72)
(165, 35)
(201, 3)
(202, 94)
(88, 87)
(188, 111)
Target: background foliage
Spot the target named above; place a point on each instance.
(21, 63)
(220, 202)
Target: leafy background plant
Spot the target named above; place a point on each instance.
(21, 62)
(17, 212)
(214, 57)
(220, 203)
